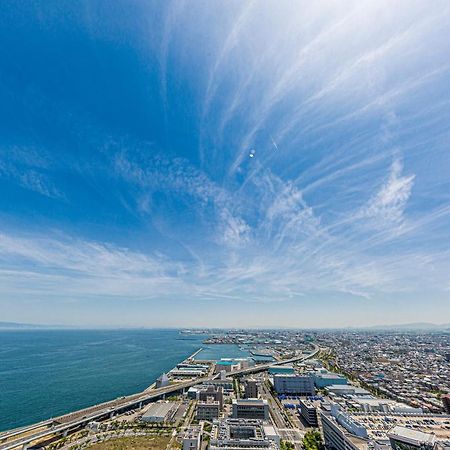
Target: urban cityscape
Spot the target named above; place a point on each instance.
(310, 390)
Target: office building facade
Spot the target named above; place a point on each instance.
(216, 393)
(251, 388)
(250, 409)
(292, 384)
(208, 410)
(308, 412)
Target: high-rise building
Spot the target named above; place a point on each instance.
(226, 384)
(308, 412)
(337, 437)
(251, 388)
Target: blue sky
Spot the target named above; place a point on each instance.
(238, 163)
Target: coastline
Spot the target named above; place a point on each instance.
(107, 386)
(153, 385)
(74, 370)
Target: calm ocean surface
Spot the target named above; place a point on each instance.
(48, 373)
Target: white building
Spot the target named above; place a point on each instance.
(383, 405)
(243, 434)
(402, 438)
(345, 430)
(337, 437)
(188, 372)
(160, 412)
(192, 438)
(346, 389)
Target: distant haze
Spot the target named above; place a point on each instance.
(413, 327)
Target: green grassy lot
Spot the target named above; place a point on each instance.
(133, 443)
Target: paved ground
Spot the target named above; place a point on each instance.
(292, 435)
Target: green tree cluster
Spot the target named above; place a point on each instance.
(286, 445)
(313, 441)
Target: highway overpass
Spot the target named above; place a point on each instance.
(26, 436)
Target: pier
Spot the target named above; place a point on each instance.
(194, 354)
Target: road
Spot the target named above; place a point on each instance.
(292, 435)
(283, 421)
(25, 436)
(275, 413)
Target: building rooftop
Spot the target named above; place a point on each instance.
(379, 425)
(250, 401)
(413, 437)
(192, 432)
(159, 409)
(347, 388)
(242, 433)
(329, 375)
(358, 442)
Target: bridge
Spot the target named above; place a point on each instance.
(26, 436)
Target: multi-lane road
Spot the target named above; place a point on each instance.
(26, 436)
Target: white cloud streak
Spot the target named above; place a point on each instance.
(28, 169)
(387, 206)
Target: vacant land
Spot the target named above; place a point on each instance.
(133, 443)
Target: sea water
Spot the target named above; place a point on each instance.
(47, 373)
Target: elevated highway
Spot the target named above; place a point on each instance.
(30, 435)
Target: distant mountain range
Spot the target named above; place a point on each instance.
(23, 326)
(418, 326)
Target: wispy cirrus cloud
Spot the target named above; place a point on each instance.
(79, 267)
(177, 177)
(386, 208)
(30, 178)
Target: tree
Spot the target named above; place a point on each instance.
(313, 441)
(286, 445)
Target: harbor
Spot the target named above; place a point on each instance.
(49, 430)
